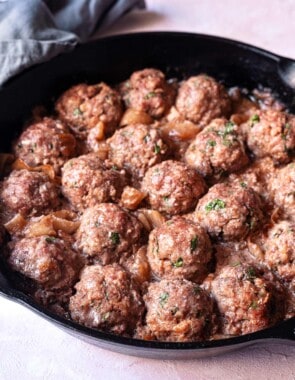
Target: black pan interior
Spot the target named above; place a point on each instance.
(112, 60)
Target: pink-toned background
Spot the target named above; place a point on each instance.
(31, 348)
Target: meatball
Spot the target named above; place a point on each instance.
(107, 232)
(84, 107)
(179, 248)
(173, 187)
(279, 249)
(47, 142)
(136, 148)
(49, 261)
(246, 301)
(86, 181)
(148, 91)
(29, 193)
(271, 133)
(217, 149)
(107, 299)
(178, 311)
(201, 99)
(230, 212)
(283, 190)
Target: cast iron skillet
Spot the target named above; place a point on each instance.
(112, 59)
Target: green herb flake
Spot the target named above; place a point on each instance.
(166, 198)
(50, 239)
(216, 204)
(211, 143)
(194, 243)
(197, 289)
(163, 298)
(254, 119)
(243, 184)
(147, 138)
(157, 149)
(250, 274)
(253, 305)
(115, 238)
(178, 263)
(77, 112)
(114, 167)
(150, 95)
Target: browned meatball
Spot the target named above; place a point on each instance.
(283, 190)
(47, 142)
(202, 99)
(173, 187)
(29, 193)
(148, 91)
(107, 232)
(136, 148)
(246, 301)
(86, 181)
(178, 311)
(83, 107)
(272, 133)
(107, 299)
(179, 248)
(48, 260)
(217, 150)
(230, 212)
(280, 251)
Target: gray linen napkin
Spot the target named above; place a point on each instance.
(33, 31)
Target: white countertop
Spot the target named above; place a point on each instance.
(31, 348)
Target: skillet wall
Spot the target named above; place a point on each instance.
(114, 58)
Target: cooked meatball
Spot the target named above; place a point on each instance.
(178, 311)
(47, 142)
(271, 133)
(48, 260)
(202, 99)
(217, 150)
(246, 301)
(229, 211)
(107, 299)
(283, 190)
(179, 248)
(29, 193)
(280, 251)
(86, 181)
(136, 148)
(83, 107)
(173, 187)
(148, 91)
(107, 232)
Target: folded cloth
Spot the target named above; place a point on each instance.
(33, 31)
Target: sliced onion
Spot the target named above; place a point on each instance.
(131, 198)
(150, 218)
(43, 226)
(255, 249)
(47, 169)
(132, 116)
(180, 130)
(16, 224)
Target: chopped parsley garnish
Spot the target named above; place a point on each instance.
(178, 263)
(146, 138)
(250, 274)
(194, 243)
(253, 305)
(166, 198)
(163, 298)
(114, 167)
(150, 95)
(50, 239)
(254, 119)
(286, 130)
(115, 238)
(77, 112)
(157, 149)
(211, 143)
(197, 289)
(243, 184)
(216, 204)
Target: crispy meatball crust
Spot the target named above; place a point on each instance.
(201, 99)
(178, 311)
(84, 106)
(29, 193)
(86, 181)
(283, 190)
(271, 133)
(148, 91)
(107, 232)
(47, 142)
(230, 212)
(48, 260)
(136, 148)
(246, 301)
(179, 248)
(107, 299)
(217, 150)
(173, 187)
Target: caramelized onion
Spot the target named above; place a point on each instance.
(132, 116)
(47, 169)
(150, 218)
(181, 130)
(131, 197)
(16, 224)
